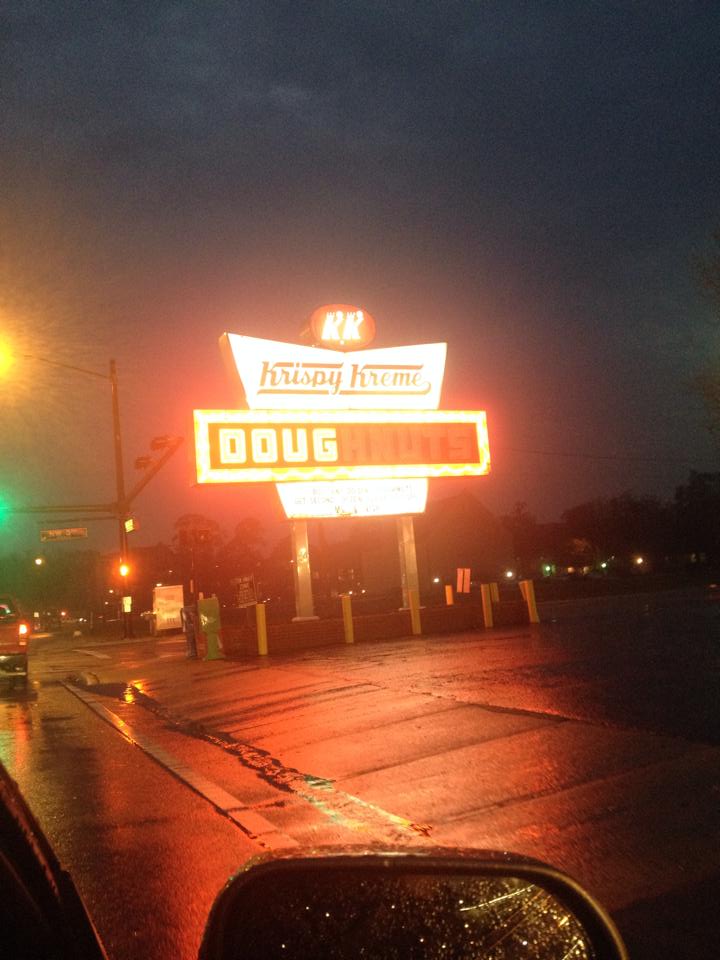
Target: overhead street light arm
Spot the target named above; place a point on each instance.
(64, 508)
(67, 366)
(169, 449)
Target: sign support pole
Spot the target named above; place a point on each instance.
(408, 559)
(301, 572)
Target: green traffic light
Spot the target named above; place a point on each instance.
(5, 508)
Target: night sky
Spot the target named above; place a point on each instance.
(528, 181)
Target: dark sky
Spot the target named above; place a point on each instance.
(526, 180)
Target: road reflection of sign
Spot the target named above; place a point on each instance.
(245, 593)
(63, 533)
(244, 446)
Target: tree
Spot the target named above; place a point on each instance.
(244, 547)
(525, 532)
(707, 383)
(193, 529)
(197, 539)
(242, 553)
(697, 517)
(707, 271)
(621, 526)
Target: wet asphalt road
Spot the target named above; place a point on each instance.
(591, 742)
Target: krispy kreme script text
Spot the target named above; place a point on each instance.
(305, 379)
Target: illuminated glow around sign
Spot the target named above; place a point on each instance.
(256, 446)
(283, 376)
(353, 498)
(353, 463)
(340, 326)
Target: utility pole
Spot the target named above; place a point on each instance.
(119, 473)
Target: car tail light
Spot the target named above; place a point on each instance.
(23, 632)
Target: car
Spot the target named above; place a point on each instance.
(14, 636)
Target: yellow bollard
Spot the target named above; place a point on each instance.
(528, 591)
(486, 594)
(346, 601)
(494, 593)
(449, 598)
(414, 612)
(261, 622)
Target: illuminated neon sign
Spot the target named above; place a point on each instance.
(255, 446)
(371, 436)
(353, 498)
(340, 326)
(278, 375)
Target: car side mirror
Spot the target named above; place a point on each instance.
(409, 906)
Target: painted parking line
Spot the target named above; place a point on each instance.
(92, 653)
(257, 827)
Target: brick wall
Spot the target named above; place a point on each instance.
(307, 634)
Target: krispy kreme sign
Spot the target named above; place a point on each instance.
(340, 429)
(243, 446)
(280, 375)
(340, 326)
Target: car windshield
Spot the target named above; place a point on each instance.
(7, 609)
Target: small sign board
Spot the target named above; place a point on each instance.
(245, 592)
(463, 580)
(167, 603)
(63, 533)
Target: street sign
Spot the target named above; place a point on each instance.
(63, 533)
(245, 594)
(463, 580)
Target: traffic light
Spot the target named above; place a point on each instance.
(5, 508)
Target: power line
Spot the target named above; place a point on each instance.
(602, 456)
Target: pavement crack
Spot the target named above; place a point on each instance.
(339, 807)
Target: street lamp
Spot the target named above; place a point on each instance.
(164, 445)
(120, 507)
